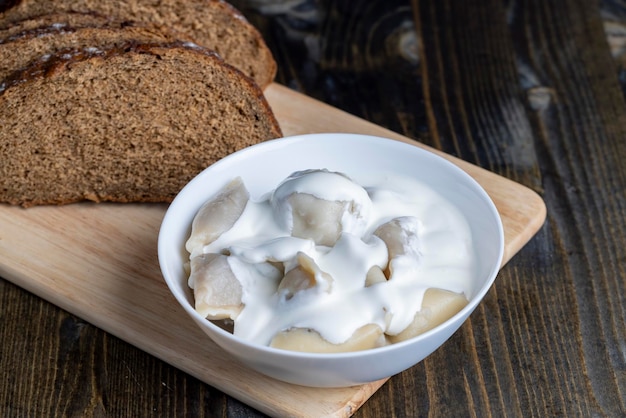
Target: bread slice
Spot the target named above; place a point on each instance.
(214, 24)
(124, 124)
(19, 50)
(57, 20)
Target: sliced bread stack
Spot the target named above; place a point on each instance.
(105, 108)
(213, 24)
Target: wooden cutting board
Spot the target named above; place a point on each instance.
(99, 261)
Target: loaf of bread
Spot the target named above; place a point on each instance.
(124, 124)
(19, 50)
(213, 24)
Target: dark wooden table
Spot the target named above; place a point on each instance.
(530, 89)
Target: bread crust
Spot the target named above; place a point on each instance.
(214, 24)
(21, 49)
(8, 4)
(60, 20)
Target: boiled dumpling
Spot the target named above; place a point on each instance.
(320, 205)
(401, 236)
(402, 240)
(217, 291)
(307, 340)
(217, 216)
(305, 275)
(374, 276)
(316, 219)
(437, 307)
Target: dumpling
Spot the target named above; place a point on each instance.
(217, 292)
(374, 276)
(320, 205)
(316, 219)
(307, 340)
(305, 275)
(401, 235)
(217, 216)
(437, 307)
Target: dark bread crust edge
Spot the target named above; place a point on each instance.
(56, 62)
(65, 28)
(48, 65)
(13, 11)
(8, 4)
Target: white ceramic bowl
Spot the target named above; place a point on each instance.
(262, 167)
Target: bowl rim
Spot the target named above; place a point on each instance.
(270, 145)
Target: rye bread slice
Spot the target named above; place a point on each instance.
(21, 49)
(213, 24)
(124, 124)
(58, 20)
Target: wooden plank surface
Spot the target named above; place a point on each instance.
(99, 262)
(532, 90)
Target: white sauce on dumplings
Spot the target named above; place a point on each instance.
(325, 185)
(440, 255)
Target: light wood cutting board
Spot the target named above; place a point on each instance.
(99, 261)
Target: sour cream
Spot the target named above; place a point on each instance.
(439, 254)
